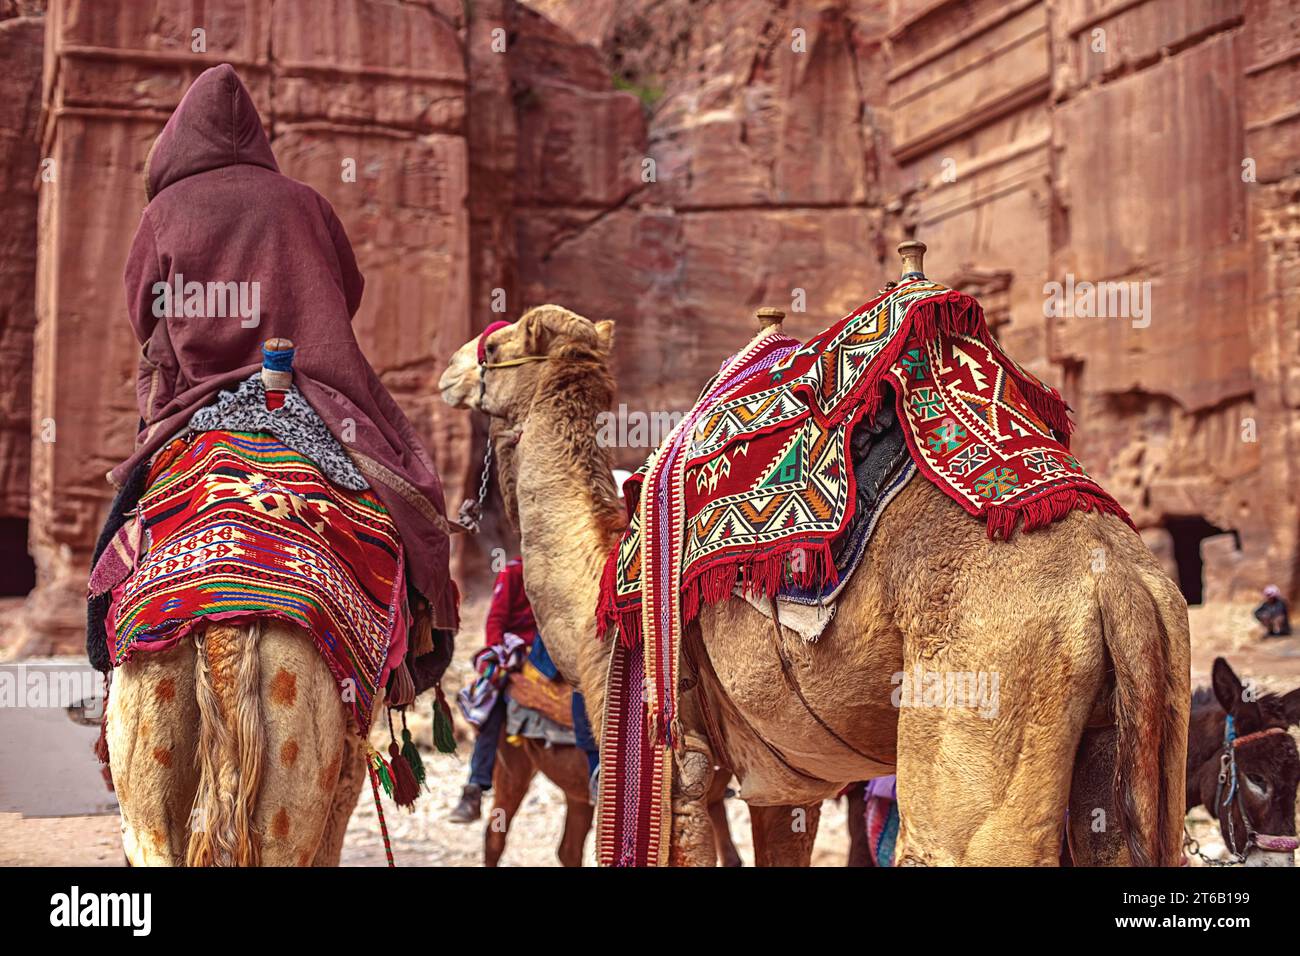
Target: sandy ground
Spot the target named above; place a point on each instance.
(424, 838)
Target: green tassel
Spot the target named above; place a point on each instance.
(411, 754)
(385, 776)
(444, 738)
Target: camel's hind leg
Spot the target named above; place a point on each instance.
(152, 729)
(577, 824)
(352, 778)
(271, 746)
(306, 740)
(984, 777)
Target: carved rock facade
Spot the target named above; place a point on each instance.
(673, 166)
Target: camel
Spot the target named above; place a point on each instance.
(1093, 664)
(566, 767)
(233, 748)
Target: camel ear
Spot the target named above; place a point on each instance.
(543, 323)
(535, 333)
(605, 336)
(1227, 686)
(1291, 703)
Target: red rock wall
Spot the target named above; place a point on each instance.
(375, 84)
(1023, 141)
(673, 166)
(20, 98)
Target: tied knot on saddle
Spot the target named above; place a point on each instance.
(771, 485)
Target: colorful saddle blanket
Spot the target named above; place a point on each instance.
(753, 487)
(237, 525)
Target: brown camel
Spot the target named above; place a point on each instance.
(566, 767)
(233, 749)
(1086, 635)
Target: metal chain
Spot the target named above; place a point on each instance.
(471, 512)
(1227, 775)
(1193, 847)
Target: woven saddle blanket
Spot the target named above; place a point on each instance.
(755, 485)
(236, 526)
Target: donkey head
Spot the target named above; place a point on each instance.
(1247, 778)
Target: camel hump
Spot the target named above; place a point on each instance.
(277, 363)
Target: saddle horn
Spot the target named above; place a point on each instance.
(912, 252)
(277, 370)
(769, 316)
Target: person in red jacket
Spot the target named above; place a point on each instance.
(509, 613)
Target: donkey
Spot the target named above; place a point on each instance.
(1243, 767)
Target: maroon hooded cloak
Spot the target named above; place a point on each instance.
(220, 211)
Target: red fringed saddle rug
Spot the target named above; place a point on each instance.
(755, 484)
(239, 526)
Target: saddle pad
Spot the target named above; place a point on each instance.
(553, 699)
(238, 526)
(755, 484)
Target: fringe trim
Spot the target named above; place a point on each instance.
(756, 573)
(950, 313)
(1041, 512)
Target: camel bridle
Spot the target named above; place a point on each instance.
(484, 364)
(471, 511)
(1228, 778)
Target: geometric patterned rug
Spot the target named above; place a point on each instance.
(239, 526)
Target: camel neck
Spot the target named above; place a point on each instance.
(568, 519)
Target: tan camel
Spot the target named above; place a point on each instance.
(233, 749)
(1087, 636)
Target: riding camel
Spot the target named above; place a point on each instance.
(1087, 633)
(230, 738)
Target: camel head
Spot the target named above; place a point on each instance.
(503, 374)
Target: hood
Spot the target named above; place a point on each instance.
(215, 125)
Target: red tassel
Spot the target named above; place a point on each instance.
(405, 787)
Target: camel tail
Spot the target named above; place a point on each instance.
(1144, 626)
(232, 741)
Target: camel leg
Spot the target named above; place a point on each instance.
(271, 748)
(1095, 838)
(152, 731)
(784, 835)
(692, 838)
(306, 727)
(577, 823)
(352, 779)
(510, 779)
(984, 778)
(726, 850)
(856, 809)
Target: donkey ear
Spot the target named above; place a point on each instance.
(605, 336)
(1227, 686)
(1291, 703)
